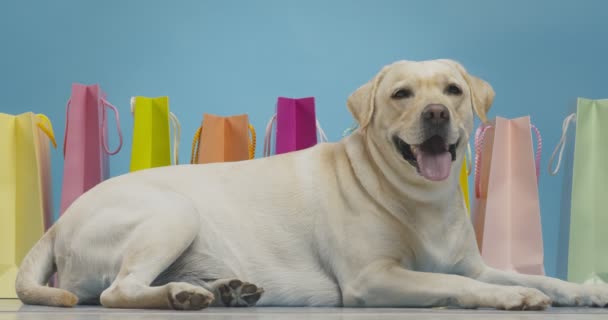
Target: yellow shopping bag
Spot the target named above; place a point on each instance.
(25, 190)
(151, 133)
(465, 171)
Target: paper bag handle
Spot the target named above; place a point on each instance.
(45, 125)
(560, 145)
(196, 142)
(322, 136)
(67, 124)
(539, 150)
(104, 129)
(177, 134)
(268, 136)
(105, 103)
(480, 134)
(252, 142)
(469, 160)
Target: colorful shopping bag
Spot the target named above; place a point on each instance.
(25, 190)
(463, 179)
(507, 211)
(85, 147)
(296, 126)
(223, 139)
(151, 134)
(586, 251)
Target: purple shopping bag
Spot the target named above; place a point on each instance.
(85, 147)
(296, 126)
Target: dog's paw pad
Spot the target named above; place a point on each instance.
(236, 293)
(190, 299)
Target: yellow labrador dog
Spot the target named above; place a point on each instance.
(375, 220)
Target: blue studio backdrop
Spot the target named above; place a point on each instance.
(229, 57)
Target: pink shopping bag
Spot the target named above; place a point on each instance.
(85, 147)
(296, 126)
(507, 211)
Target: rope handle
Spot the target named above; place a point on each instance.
(104, 129)
(67, 122)
(560, 145)
(45, 125)
(268, 136)
(132, 104)
(480, 134)
(196, 143)
(175, 126)
(177, 134)
(539, 150)
(252, 142)
(105, 103)
(469, 159)
(322, 136)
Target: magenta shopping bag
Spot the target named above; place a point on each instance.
(296, 126)
(85, 146)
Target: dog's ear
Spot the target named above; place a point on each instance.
(360, 106)
(482, 94)
(362, 102)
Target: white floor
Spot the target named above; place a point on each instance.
(14, 310)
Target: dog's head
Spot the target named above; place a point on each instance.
(421, 113)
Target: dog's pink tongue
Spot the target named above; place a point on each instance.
(435, 167)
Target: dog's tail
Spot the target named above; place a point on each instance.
(36, 269)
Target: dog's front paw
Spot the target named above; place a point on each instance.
(521, 298)
(184, 296)
(575, 295)
(507, 298)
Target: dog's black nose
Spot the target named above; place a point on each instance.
(436, 114)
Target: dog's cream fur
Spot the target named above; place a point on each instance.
(340, 224)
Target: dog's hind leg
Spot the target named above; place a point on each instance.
(169, 227)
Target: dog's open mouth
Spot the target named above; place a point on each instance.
(433, 158)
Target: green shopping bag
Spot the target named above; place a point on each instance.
(586, 252)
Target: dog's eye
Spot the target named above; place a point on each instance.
(453, 90)
(402, 94)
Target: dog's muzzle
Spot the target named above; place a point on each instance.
(432, 158)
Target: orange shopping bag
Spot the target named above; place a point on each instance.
(223, 139)
(507, 211)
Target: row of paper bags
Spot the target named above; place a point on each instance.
(506, 216)
(506, 172)
(26, 209)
